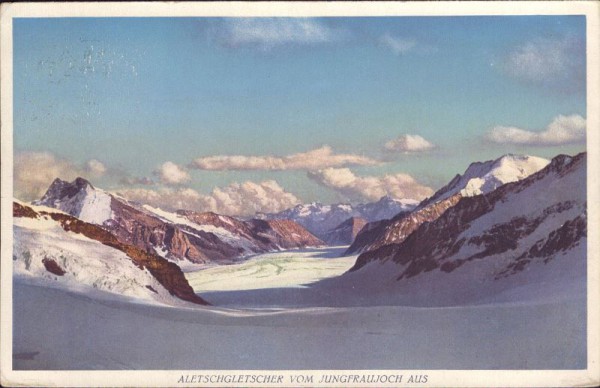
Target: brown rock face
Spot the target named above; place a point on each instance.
(168, 274)
(260, 235)
(346, 232)
(284, 234)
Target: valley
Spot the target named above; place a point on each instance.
(492, 257)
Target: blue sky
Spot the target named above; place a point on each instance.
(158, 108)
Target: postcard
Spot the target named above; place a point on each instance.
(288, 194)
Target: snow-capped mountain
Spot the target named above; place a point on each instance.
(322, 219)
(527, 236)
(483, 177)
(79, 199)
(479, 178)
(185, 235)
(63, 251)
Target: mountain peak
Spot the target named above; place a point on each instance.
(82, 182)
(483, 177)
(79, 199)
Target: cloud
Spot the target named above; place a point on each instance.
(270, 32)
(95, 167)
(35, 171)
(250, 197)
(370, 188)
(398, 45)
(557, 64)
(408, 144)
(237, 199)
(172, 174)
(166, 198)
(135, 181)
(312, 160)
(562, 130)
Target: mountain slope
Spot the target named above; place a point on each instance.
(528, 235)
(483, 177)
(189, 236)
(55, 245)
(479, 178)
(346, 232)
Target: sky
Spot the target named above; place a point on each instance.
(238, 115)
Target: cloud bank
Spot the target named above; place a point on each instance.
(562, 130)
(371, 188)
(237, 199)
(408, 144)
(315, 159)
(35, 171)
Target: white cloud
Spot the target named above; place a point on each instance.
(370, 188)
(35, 171)
(554, 63)
(237, 199)
(134, 181)
(269, 32)
(172, 174)
(398, 45)
(408, 143)
(95, 167)
(562, 130)
(249, 197)
(166, 198)
(312, 160)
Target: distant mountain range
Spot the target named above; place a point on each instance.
(323, 220)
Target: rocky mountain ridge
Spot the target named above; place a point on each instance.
(184, 236)
(534, 219)
(479, 178)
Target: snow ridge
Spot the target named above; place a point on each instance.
(484, 177)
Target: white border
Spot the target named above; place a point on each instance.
(511, 378)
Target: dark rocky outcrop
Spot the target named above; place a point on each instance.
(53, 267)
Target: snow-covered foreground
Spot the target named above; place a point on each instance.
(268, 318)
(56, 329)
(294, 268)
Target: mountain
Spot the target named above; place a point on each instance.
(345, 232)
(483, 177)
(321, 219)
(479, 178)
(527, 236)
(189, 236)
(67, 252)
